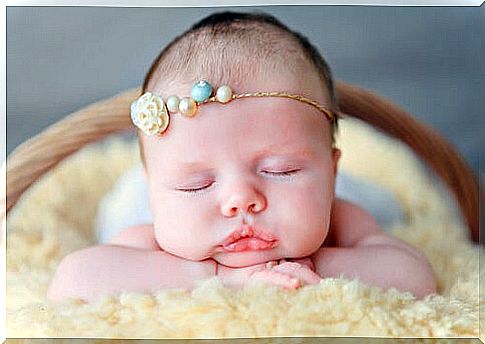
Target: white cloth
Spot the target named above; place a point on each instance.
(127, 203)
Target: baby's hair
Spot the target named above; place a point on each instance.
(230, 47)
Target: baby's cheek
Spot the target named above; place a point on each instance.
(183, 230)
(181, 244)
(312, 201)
(314, 206)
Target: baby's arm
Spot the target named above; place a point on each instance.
(111, 269)
(362, 250)
(142, 237)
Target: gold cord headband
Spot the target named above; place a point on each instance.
(151, 114)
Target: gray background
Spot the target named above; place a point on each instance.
(426, 59)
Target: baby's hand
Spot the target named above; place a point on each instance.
(289, 275)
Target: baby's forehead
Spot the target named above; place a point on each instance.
(266, 120)
(244, 128)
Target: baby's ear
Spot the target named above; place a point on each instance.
(336, 153)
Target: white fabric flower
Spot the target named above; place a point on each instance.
(149, 113)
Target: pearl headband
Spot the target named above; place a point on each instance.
(151, 114)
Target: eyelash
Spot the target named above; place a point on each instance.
(283, 173)
(272, 173)
(196, 190)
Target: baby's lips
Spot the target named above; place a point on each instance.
(246, 231)
(249, 244)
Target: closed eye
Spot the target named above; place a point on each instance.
(282, 173)
(195, 189)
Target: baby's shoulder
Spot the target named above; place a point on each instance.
(349, 224)
(140, 236)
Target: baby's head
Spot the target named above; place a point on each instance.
(258, 169)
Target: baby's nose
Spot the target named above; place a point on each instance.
(243, 199)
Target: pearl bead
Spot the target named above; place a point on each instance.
(187, 107)
(224, 94)
(201, 91)
(173, 104)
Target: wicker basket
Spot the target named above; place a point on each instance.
(39, 154)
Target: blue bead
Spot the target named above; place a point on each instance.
(201, 91)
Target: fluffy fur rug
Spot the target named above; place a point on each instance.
(56, 216)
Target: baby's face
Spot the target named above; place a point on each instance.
(243, 183)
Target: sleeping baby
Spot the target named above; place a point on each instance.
(236, 126)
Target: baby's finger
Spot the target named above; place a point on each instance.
(276, 278)
(271, 264)
(306, 262)
(296, 270)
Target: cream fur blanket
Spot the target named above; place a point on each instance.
(56, 216)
